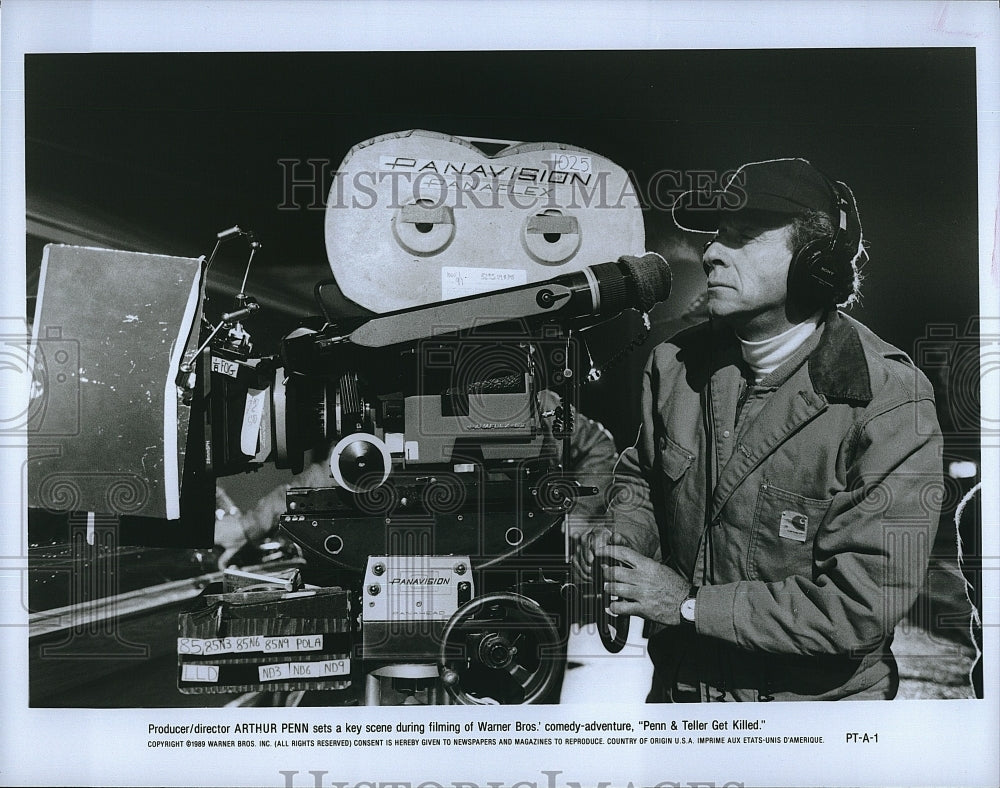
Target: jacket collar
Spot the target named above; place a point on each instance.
(837, 367)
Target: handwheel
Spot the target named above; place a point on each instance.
(612, 629)
(500, 648)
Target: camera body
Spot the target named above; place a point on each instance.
(447, 483)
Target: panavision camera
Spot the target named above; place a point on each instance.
(439, 384)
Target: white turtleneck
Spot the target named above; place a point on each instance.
(767, 355)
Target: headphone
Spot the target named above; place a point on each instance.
(821, 273)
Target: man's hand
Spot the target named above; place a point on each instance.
(229, 535)
(645, 587)
(230, 532)
(588, 544)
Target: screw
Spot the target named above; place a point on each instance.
(459, 569)
(374, 589)
(379, 569)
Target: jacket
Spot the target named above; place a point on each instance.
(821, 517)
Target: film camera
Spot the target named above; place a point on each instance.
(440, 384)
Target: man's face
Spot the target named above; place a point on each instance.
(747, 267)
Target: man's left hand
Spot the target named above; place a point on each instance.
(645, 587)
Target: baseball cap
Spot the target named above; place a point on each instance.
(782, 186)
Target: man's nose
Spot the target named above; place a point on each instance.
(711, 256)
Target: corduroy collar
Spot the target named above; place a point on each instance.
(837, 367)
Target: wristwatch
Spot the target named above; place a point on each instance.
(687, 606)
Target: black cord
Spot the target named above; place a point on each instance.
(621, 354)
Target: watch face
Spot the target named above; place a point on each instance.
(687, 609)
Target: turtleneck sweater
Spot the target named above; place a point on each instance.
(767, 355)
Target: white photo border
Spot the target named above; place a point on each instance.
(925, 742)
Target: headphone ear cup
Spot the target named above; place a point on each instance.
(810, 275)
(822, 272)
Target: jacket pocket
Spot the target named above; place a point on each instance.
(674, 463)
(674, 458)
(782, 535)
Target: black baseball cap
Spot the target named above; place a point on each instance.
(777, 186)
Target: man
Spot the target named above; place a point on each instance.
(784, 487)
